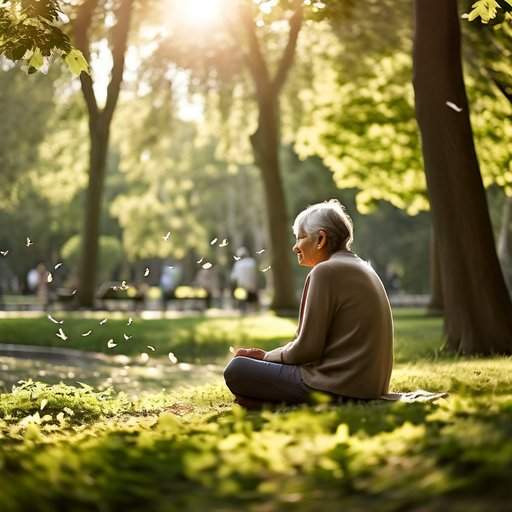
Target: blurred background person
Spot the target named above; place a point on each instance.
(244, 280)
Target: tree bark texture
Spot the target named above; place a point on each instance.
(478, 310)
(99, 134)
(436, 304)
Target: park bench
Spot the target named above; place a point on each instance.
(116, 295)
(189, 297)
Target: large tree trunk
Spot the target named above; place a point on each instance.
(99, 139)
(504, 241)
(99, 129)
(436, 304)
(265, 143)
(478, 310)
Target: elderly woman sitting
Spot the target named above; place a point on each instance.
(344, 341)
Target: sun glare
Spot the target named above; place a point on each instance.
(201, 13)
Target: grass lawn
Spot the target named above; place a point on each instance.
(200, 338)
(74, 448)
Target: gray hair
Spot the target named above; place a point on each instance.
(331, 217)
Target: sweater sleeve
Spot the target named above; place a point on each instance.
(309, 344)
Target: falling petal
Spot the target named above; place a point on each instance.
(173, 358)
(146, 272)
(266, 269)
(50, 317)
(207, 265)
(111, 343)
(57, 266)
(4, 253)
(214, 241)
(261, 251)
(167, 236)
(224, 243)
(126, 337)
(87, 333)
(50, 277)
(123, 286)
(199, 261)
(74, 291)
(104, 321)
(232, 350)
(236, 258)
(44, 403)
(151, 347)
(61, 335)
(453, 106)
(130, 321)
(29, 242)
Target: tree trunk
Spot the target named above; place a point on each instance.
(478, 310)
(99, 139)
(504, 241)
(436, 305)
(265, 144)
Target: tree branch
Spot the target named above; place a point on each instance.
(254, 60)
(289, 52)
(81, 26)
(119, 44)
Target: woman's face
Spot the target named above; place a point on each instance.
(310, 249)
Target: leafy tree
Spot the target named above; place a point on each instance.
(478, 309)
(30, 31)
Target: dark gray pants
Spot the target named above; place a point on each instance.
(266, 381)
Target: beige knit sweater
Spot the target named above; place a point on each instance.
(344, 342)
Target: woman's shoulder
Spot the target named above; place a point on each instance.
(341, 261)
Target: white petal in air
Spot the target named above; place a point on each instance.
(214, 241)
(74, 291)
(61, 335)
(146, 272)
(50, 277)
(199, 261)
(151, 347)
(453, 106)
(57, 266)
(126, 337)
(4, 253)
(111, 343)
(224, 243)
(50, 317)
(29, 242)
(173, 358)
(130, 321)
(86, 333)
(207, 265)
(236, 258)
(104, 321)
(261, 251)
(266, 269)
(167, 236)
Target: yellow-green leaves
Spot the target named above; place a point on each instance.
(37, 60)
(76, 62)
(486, 10)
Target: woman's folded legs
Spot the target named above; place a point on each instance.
(254, 380)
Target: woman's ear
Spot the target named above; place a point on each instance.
(322, 239)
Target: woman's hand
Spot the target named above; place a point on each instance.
(254, 353)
